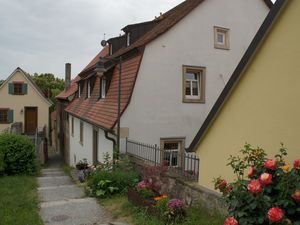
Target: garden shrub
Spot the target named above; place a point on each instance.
(268, 194)
(19, 154)
(2, 164)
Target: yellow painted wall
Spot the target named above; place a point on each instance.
(18, 102)
(264, 108)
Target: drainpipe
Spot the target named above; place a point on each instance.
(110, 138)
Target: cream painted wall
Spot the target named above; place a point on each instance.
(19, 102)
(79, 151)
(156, 109)
(263, 109)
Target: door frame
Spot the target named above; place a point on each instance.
(95, 145)
(25, 120)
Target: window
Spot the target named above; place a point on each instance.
(103, 87)
(81, 133)
(3, 115)
(110, 49)
(128, 39)
(17, 88)
(72, 126)
(88, 88)
(79, 90)
(173, 149)
(221, 36)
(193, 84)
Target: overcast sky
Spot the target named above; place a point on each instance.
(42, 35)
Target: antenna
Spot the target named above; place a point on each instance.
(103, 42)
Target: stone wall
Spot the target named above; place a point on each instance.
(191, 192)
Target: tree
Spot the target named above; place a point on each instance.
(50, 86)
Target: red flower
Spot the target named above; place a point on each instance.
(254, 186)
(228, 189)
(296, 195)
(270, 164)
(231, 221)
(222, 184)
(251, 172)
(275, 214)
(297, 164)
(266, 178)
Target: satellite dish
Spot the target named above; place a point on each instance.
(103, 43)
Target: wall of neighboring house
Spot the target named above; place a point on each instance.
(156, 109)
(80, 151)
(263, 108)
(18, 102)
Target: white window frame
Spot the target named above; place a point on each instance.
(179, 150)
(225, 34)
(128, 39)
(88, 88)
(79, 90)
(103, 87)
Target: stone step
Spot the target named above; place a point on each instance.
(52, 174)
(63, 192)
(54, 181)
(52, 169)
(73, 211)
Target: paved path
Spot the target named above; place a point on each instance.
(64, 203)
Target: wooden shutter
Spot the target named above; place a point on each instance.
(10, 116)
(11, 88)
(24, 89)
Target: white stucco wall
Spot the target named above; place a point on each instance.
(85, 150)
(156, 109)
(19, 102)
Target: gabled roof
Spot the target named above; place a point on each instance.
(103, 112)
(167, 21)
(239, 71)
(29, 80)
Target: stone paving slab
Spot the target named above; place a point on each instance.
(84, 211)
(64, 192)
(54, 181)
(52, 173)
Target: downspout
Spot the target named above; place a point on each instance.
(110, 138)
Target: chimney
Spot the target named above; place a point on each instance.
(68, 76)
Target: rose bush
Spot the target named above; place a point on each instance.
(266, 190)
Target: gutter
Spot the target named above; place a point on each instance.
(110, 138)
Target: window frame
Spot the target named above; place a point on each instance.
(81, 130)
(4, 121)
(89, 90)
(19, 86)
(128, 39)
(181, 152)
(103, 88)
(201, 73)
(225, 32)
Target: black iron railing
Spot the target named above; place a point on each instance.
(183, 164)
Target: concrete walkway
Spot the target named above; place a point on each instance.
(64, 203)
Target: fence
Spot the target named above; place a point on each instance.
(184, 164)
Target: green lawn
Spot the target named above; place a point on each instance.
(124, 211)
(18, 201)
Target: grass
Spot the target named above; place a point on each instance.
(67, 170)
(124, 211)
(18, 201)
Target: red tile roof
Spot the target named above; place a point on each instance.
(103, 112)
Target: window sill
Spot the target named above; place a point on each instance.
(5, 123)
(222, 47)
(187, 100)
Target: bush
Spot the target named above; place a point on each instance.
(19, 154)
(270, 194)
(2, 164)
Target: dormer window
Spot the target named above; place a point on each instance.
(88, 88)
(128, 39)
(79, 90)
(110, 49)
(103, 87)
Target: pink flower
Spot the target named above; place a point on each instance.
(270, 164)
(266, 178)
(251, 172)
(175, 203)
(231, 221)
(275, 214)
(143, 184)
(296, 195)
(297, 164)
(254, 186)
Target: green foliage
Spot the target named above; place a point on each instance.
(248, 204)
(19, 201)
(107, 183)
(19, 154)
(146, 192)
(2, 164)
(48, 83)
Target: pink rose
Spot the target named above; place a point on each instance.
(270, 164)
(297, 164)
(265, 178)
(251, 172)
(231, 221)
(254, 186)
(275, 214)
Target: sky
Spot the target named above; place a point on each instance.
(42, 35)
